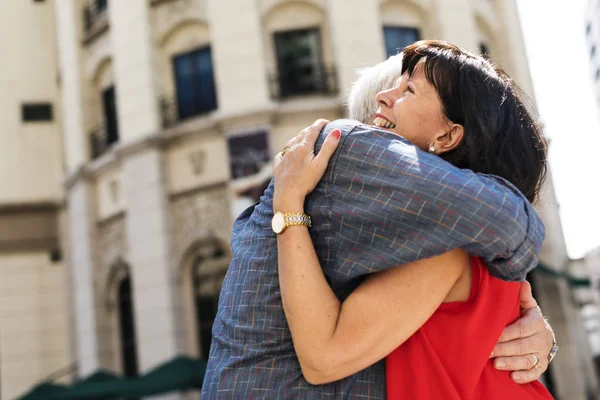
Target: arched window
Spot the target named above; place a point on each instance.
(208, 274)
(127, 328)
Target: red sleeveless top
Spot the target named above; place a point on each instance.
(448, 357)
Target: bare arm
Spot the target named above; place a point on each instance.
(334, 340)
(296, 175)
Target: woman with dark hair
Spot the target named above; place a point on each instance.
(455, 105)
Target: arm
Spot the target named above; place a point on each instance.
(394, 196)
(371, 256)
(531, 334)
(334, 340)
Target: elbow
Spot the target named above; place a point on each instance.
(317, 372)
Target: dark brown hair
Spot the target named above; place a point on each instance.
(502, 135)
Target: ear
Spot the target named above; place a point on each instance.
(451, 139)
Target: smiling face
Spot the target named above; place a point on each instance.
(413, 110)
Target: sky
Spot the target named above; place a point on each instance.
(564, 95)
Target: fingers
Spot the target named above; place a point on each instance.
(526, 297)
(517, 347)
(530, 375)
(531, 323)
(313, 132)
(331, 142)
(521, 363)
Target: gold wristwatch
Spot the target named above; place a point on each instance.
(281, 221)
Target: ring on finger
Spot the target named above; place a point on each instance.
(536, 364)
(285, 150)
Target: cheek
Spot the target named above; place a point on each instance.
(414, 125)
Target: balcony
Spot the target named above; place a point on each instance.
(101, 140)
(173, 113)
(304, 80)
(95, 20)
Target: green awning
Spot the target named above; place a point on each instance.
(45, 391)
(181, 373)
(571, 280)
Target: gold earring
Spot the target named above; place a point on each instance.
(432, 149)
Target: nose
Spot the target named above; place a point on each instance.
(384, 98)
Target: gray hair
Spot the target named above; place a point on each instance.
(361, 102)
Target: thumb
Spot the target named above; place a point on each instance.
(526, 298)
(331, 142)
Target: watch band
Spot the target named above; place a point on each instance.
(282, 221)
(553, 351)
(292, 219)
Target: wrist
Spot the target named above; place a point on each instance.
(288, 205)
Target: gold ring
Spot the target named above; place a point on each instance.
(285, 149)
(537, 362)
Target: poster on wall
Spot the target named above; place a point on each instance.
(251, 168)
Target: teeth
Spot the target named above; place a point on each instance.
(383, 123)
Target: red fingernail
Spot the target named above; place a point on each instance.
(336, 133)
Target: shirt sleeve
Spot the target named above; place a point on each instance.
(392, 204)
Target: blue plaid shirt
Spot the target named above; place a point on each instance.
(381, 203)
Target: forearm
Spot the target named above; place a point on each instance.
(334, 340)
(399, 195)
(311, 308)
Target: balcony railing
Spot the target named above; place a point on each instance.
(305, 80)
(95, 19)
(98, 141)
(171, 114)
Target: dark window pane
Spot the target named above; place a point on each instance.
(588, 29)
(101, 5)
(248, 154)
(483, 49)
(36, 112)
(195, 83)
(299, 62)
(397, 38)
(127, 325)
(209, 272)
(593, 51)
(110, 115)
(597, 74)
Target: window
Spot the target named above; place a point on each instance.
(299, 63)
(588, 29)
(100, 5)
(593, 51)
(598, 74)
(110, 115)
(36, 112)
(209, 273)
(195, 83)
(397, 38)
(127, 329)
(484, 49)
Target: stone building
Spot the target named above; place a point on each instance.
(135, 131)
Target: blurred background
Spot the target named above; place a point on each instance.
(135, 131)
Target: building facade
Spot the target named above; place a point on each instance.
(164, 118)
(592, 34)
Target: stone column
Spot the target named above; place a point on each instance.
(159, 335)
(135, 78)
(81, 244)
(357, 36)
(513, 45)
(456, 23)
(238, 56)
(147, 211)
(79, 193)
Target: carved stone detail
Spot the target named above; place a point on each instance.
(200, 215)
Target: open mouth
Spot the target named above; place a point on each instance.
(383, 123)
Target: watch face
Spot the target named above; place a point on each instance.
(278, 222)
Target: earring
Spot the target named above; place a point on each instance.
(432, 149)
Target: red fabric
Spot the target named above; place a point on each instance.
(448, 358)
